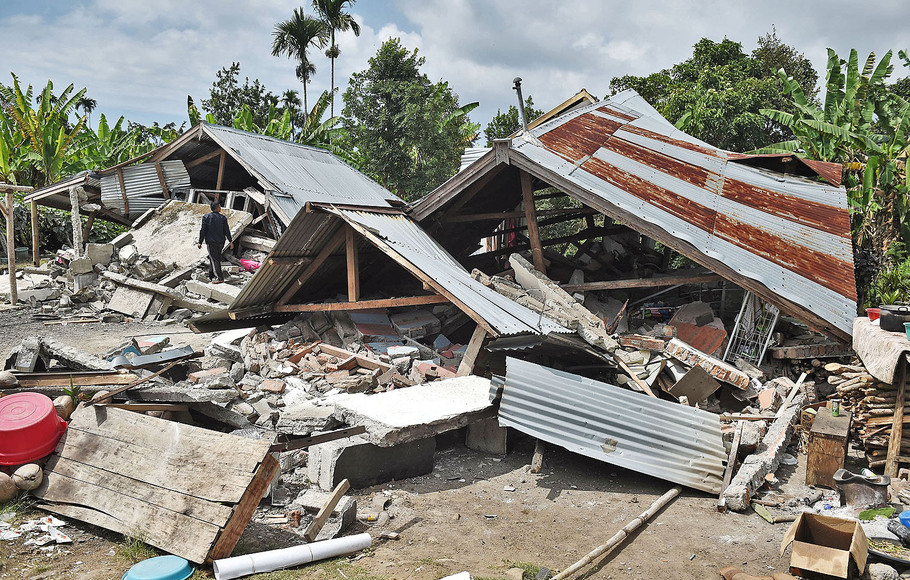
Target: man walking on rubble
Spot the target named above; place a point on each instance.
(215, 231)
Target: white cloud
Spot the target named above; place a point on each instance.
(142, 58)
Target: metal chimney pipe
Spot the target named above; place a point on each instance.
(521, 103)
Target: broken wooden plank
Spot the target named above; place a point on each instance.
(182, 488)
(466, 367)
(731, 465)
(897, 423)
(317, 439)
(41, 380)
(362, 361)
(642, 342)
(323, 516)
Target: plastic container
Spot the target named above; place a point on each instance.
(160, 568)
(29, 428)
(905, 518)
(873, 313)
(907, 329)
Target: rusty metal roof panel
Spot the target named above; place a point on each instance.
(674, 442)
(789, 234)
(304, 174)
(409, 243)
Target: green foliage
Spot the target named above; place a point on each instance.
(40, 135)
(504, 124)
(227, 96)
(891, 286)
(336, 18)
(294, 37)
(409, 131)
(718, 93)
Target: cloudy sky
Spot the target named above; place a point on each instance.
(140, 58)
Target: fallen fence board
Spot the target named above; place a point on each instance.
(177, 487)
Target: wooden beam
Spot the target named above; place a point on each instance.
(164, 190)
(897, 423)
(643, 282)
(126, 202)
(203, 159)
(353, 261)
(363, 304)
(11, 248)
(504, 215)
(527, 196)
(289, 260)
(317, 262)
(323, 516)
(88, 226)
(317, 439)
(470, 354)
(589, 233)
(36, 250)
(220, 169)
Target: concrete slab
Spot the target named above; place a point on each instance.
(695, 385)
(171, 233)
(364, 464)
(99, 253)
(224, 293)
(130, 301)
(305, 418)
(488, 437)
(417, 412)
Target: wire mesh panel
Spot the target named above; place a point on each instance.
(752, 330)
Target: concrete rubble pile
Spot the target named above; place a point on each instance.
(116, 281)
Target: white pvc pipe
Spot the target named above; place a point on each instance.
(238, 566)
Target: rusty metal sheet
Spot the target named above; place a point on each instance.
(789, 234)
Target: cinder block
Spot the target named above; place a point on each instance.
(81, 266)
(364, 464)
(99, 253)
(488, 437)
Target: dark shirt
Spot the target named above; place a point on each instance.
(214, 229)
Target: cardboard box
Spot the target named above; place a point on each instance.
(825, 544)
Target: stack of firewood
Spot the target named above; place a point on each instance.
(872, 404)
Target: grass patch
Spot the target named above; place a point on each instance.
(133, 549)
(23, 506)
(337, 569)
(529, 570)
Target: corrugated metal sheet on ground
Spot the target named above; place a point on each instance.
(143, 188)
(666, 440)
(407, 240)
(790, 234)
(305, 174)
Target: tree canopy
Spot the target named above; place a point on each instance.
(717, 94)
(227, 96)
(504, 124)
(408, 131)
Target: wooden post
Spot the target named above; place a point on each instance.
(537, 458)
(527, 196)
(88, 226)
(36, 251)
(161, 180)
(220, 170)
(897, 424)
(470, 355)
(353, 259)
(11, 248)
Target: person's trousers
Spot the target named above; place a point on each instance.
(215, 251)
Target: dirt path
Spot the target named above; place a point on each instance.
(460, 517)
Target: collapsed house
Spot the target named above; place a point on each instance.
(765, 223)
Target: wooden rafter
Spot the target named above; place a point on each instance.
(644, 282)
(504, 215)
(363, 304)
(331, 246)
(204, 158)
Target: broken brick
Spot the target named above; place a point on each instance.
(199, 376)
(272, 386)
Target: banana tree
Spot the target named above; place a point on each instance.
(49, 139)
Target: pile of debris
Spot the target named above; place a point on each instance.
(136, 276)
(872, 403)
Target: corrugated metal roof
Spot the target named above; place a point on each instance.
(143, 188)
(401, 236)
(297, 174)
(57, 194)
(406, 243)
(790, 234)
(667, 440)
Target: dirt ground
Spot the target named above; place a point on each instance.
(462, 516)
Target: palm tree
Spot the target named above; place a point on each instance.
(294, 37)
(335, 18)
(87, 105)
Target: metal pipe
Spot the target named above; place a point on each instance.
(521, 103)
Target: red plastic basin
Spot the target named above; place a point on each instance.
(873, 313)
(29, 428)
